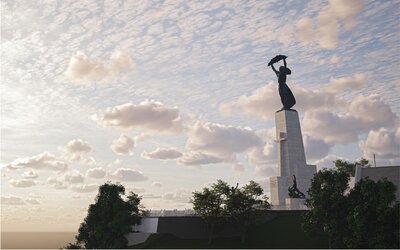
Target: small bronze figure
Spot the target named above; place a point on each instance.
(294, 192)
(286, 94)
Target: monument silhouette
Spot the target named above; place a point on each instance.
(290, 149)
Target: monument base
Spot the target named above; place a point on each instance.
(295, 204)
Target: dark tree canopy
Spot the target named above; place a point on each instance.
(366, 216)
(109, 218)
(349, 167)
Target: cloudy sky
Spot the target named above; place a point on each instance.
(166, 97)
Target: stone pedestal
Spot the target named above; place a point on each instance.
(291, 158)
(295, 203)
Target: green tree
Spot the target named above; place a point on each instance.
(109, 218)
(209, 204)
(245, 205)
(349, 167)
(327, 205)
(373, 216)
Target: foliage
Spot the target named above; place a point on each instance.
(242, 205)
(109, 218)
(209, 205)
(349, 167)
(367, 217)
(372, 219)
(327, 205)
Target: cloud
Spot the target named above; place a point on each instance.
(328, 162)
(130, 175)
(32, 201)
(327, 31)
(198, 158)
(23, 183)
(264, 101)
(264, 170)
(12, 201)
(43, 161)
(84, 188)
(315, 149)
(56, 182)
(365, 113)
(73, 177)
(181, 195)
(97, 173)
(123, 145)
(305, 29)
(383, 143)
(83, 70)
(156, 184)
(149, 115)
(30, 174)
(219, 140)
(162, 154)
(77, 146)
(238, 168)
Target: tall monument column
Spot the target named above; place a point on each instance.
(291, 158)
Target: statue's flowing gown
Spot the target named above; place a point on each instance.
(286, 94)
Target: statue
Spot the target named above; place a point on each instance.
(294, 192)
(286, 94)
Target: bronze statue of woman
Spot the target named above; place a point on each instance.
(286, 94)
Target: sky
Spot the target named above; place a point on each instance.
(166, 97)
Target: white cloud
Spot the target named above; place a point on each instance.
(22, 183)
(162, 154)
(181, 195)
(156, 184)
(383, 143)
(238, 168)
(127, 174)
(12, 201)
(97, 173)
(315, 149)
(346, 10)
(83, 70)
(265, 170)
(84, 188)
(77, 146)
(32, 201)
(30, 174)
(123, 145)
(149, 115)
(56, 183)
(328, 29)
(305, 29)
(198, 158)
(73, 177)
(365, 113)
(220, 140)
(328, 162)
(43, 161)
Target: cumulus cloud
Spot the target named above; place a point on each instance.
(328, 162)
(82, 69)
(97, 173)
(56, 182)
(198, 158)
(149, 115)
(328, 23)
(130, 175)
(162, 154)
(238, 168)
(123, 145)
(365, 113)
(315, 149)
(77, 146)
(43, 161)
(383, 143)
(23, 183)
(84, 188)
(264, 101)
(73, 177)
(30, 174)
(221, 141)
(12, 201)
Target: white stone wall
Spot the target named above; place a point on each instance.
(291, 158)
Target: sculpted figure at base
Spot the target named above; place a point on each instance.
(294, 192)
(286, 94)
